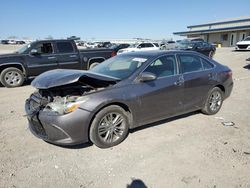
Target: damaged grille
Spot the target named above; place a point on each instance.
(37, 102)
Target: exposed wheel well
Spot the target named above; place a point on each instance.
(12, 65)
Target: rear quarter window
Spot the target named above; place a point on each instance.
(206, 65)
(65, 47)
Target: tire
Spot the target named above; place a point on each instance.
(12, 77)
(211, 54)
(103, 133)
(213, 102)
(92, 65)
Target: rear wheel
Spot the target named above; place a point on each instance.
(109, 127)
(213, 102)
(211, 54)
(12, 77)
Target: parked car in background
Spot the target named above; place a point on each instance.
(124, 92)
(11, 41)
(41, 56)
(4, 41)
(201, 47)
(117, 47)
(143, 46)
(168, 45)
(244, 44)
(20, 42)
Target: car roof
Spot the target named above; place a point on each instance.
(155, 53)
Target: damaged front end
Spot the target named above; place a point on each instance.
(50, 109)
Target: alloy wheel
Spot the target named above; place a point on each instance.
(215, 101)
(13, 78)
(111, 127)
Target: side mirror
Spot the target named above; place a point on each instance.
(34, 52)
(139, 47)
(146, 76)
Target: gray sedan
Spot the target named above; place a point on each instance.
(124, 92)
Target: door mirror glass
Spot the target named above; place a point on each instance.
(34, 52)
(146, 76)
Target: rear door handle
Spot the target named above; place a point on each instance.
(72, 56)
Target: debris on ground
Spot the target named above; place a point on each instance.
(220, 118)
(228, 123)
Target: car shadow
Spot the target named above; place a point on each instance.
(163, 121)
(78, 146)
(247, 67)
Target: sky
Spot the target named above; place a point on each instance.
(111, 19)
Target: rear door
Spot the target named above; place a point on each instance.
(43, 61)
(68, 57)
(197, 74)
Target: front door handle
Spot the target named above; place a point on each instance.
(180, 81)
(72, 56)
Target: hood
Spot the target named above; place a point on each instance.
(9, 55)
(243, 42)
(61, 77)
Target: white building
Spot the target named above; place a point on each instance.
(224, 32)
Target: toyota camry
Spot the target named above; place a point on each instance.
(124, 92)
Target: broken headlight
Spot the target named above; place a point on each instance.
(65, 105)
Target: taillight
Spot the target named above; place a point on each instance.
(113, 54)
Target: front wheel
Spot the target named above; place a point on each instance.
(109, 127)
(12, 77)
(213, 102)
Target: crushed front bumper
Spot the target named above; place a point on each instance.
(68, 129)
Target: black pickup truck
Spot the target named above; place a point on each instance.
(40, 56)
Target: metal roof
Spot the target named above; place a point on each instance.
(231, 20)
(217, 26)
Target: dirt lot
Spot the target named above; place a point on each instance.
(190, 151)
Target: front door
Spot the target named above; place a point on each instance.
(44, 60)
(160, 98)
(233, 39)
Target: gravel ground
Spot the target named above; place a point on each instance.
(194, 150)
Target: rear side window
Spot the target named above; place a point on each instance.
(190, 63)
(206, 65)
(65, 47)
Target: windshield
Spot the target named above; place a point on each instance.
(247, 39)
(23, 49)
(120, 67)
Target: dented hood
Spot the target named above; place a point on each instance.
(60, 77)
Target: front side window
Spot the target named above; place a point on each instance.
(65, 47)
(162, 67)
(190, 63)
(44, 48)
